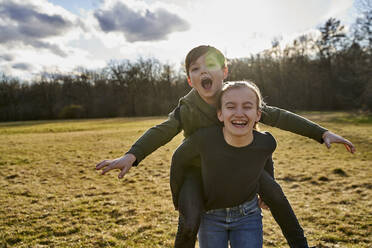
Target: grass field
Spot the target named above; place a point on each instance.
(52, 196)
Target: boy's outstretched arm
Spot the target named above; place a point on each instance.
(294, 123)
(151, 140)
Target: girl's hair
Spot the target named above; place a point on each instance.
(199, 51)
(238, 85)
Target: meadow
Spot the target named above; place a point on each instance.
(52, 196)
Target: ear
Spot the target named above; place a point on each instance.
(219, 115)
(258, 115)
(225, 72)
(189, 81)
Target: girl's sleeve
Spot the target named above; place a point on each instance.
(181, 161)
(292, 122)
(269, 166)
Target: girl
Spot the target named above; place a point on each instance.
(233, 158)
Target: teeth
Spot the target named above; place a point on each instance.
(239, 122)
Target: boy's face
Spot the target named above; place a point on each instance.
(206, 76)
(239, 111)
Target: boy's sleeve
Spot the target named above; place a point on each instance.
(292, 122)
(157, 136)
(181, 160)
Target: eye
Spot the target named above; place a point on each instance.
(194, 68)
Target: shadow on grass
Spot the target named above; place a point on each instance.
(37, 123)
(103, 120)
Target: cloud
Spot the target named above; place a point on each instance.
(138, 25)
(22, 66)
(6, 57)
(26, 24)
(12, 37)
(46, 45)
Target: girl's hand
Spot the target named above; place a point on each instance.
(330, 138)
(262, 204)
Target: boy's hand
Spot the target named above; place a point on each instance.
(123, 163)
(330, 138)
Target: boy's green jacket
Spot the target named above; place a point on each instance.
(194, 113)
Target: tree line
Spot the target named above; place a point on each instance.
(330, 71)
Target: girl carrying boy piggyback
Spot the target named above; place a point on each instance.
(233, 158)
(206, 70)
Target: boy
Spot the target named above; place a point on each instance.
(206, 69)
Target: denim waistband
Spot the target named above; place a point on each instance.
(236, 210)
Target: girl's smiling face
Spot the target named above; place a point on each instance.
(239, 112)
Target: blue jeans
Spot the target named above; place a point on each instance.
(241, 225)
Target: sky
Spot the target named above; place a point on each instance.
(61, 35)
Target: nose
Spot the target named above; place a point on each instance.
(203, 69)
(239, 111)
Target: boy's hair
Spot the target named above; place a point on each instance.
(238, 85)
(196, 52)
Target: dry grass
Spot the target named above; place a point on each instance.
(51, 195)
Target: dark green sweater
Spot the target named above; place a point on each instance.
(193, 113)
(230, 174)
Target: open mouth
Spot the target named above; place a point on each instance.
(206, 83)
(239, 124)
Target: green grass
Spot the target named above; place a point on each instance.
(51, 195)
